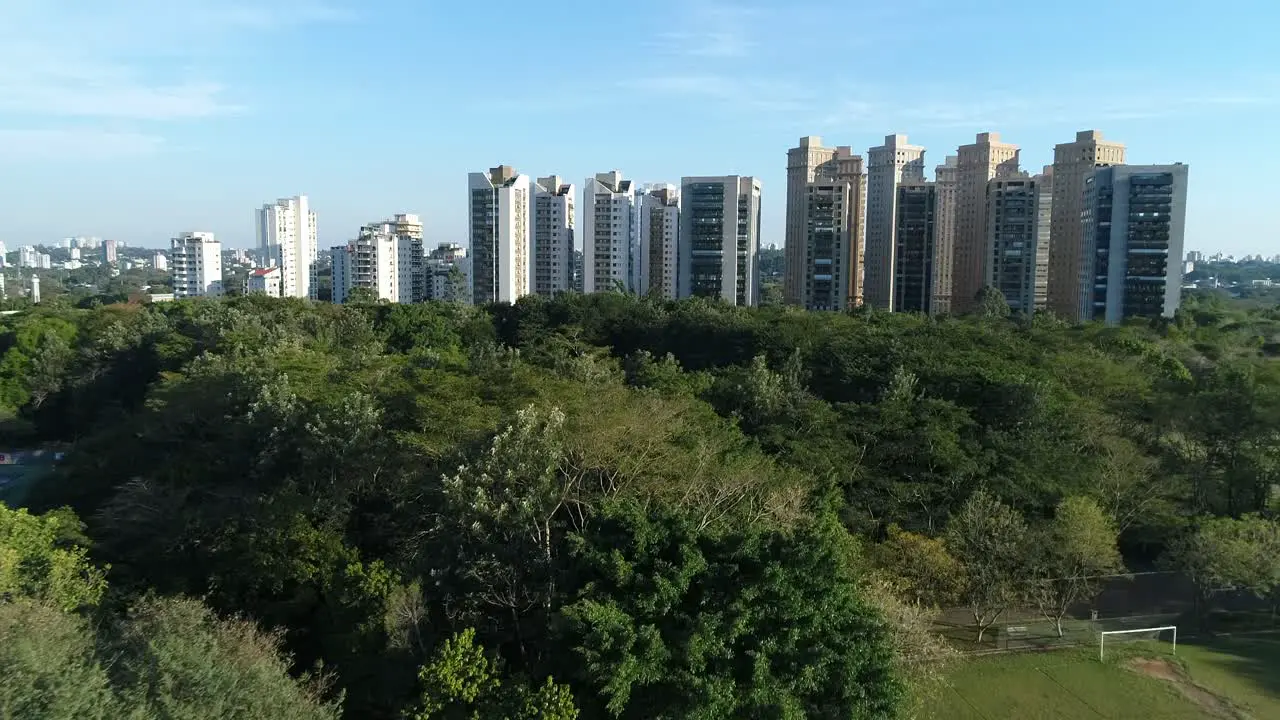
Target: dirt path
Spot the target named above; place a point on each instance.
(1215, 706)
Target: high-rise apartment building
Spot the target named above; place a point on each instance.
(287, 233)
(28, 256)
(826, 202)
(1072, 163)
(976, 165)
(501, 220)
(1133, 221)
(1019, 210)
(160, 262)
(888, 166)
(197, 265)
(609, 225)
(109, 251)
(553, 236)
(915, 235)
(447, 273)
(720, 238)
(380, 259)
(659, 241)
(946, 180)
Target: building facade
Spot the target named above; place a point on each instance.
(720, 238)
(447, 273)
(109, 251)
(501, 224)
(889, 165)
(287, 233)
(659, 210)
(976, 165)
(1133, 221)
(946, 180)
(263, 281)
(1072, 163)
(825, 232)
(554, 218)
(915, 254)
(197, 265)
(609, 246)
(1019, 211)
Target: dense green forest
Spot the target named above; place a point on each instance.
(598, 506)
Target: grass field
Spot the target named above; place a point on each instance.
(1231, 678)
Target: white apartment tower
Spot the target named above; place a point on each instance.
(501, 220)
(1133, 221)
(659, 241)
(608, 233)
(976, 165)
(197, 265)
(1019, 210)
(888, 166)
(946, 178)
(287, 234)
(826, 201)
(1072, 163)
(381, 259)
(553, 236)
(411, 283)
(720, 238)
(263, 281)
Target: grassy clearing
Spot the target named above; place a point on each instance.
(1233, 678)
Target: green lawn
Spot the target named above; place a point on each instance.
(1072, 684)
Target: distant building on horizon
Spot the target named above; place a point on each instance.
(380, 259)
(1133, 223)
(888, 166)
(286, 231)
(946, 181)
(159, 261)
(197, 265)
(719, 238)
(109, 251)
(825, 231)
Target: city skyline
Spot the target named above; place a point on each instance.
(153, 136)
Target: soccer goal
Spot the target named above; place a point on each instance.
(1155, 631)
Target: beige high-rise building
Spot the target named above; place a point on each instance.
(826, 198)
(1072, 163)
(888, 166)
(946, 179)
(977, 164)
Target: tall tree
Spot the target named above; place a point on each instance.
(1074, 550)
(990, 538)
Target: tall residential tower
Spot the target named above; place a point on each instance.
(608, 233)
(888, 166)
(826, 198)
(978, 163)
(720, 238)
(1072, 163)
(500, 225)
(197, 265)
(553, 236)
(1017, 248)
(946, 178)
(659, 240)
(287, 234)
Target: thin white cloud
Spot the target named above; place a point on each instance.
(713, 30)
(76, 145)
(125, 61)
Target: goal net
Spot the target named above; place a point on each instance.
(1110, 638)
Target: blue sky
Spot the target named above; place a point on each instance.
(138, 119)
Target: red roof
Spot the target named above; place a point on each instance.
(264, 271)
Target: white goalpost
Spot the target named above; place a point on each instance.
(1102, 640)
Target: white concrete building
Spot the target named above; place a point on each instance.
(1133, 222)
(160, 262)
(501, 222)
(35, 290)
(28, 256)
(263, 281)
(554, 219)
(609, 227)
(441, 264)
(109, 251)
(659, 241)
(197, 265)
(376, 260)
(287, 232)
(720, 238)
(888, 166)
